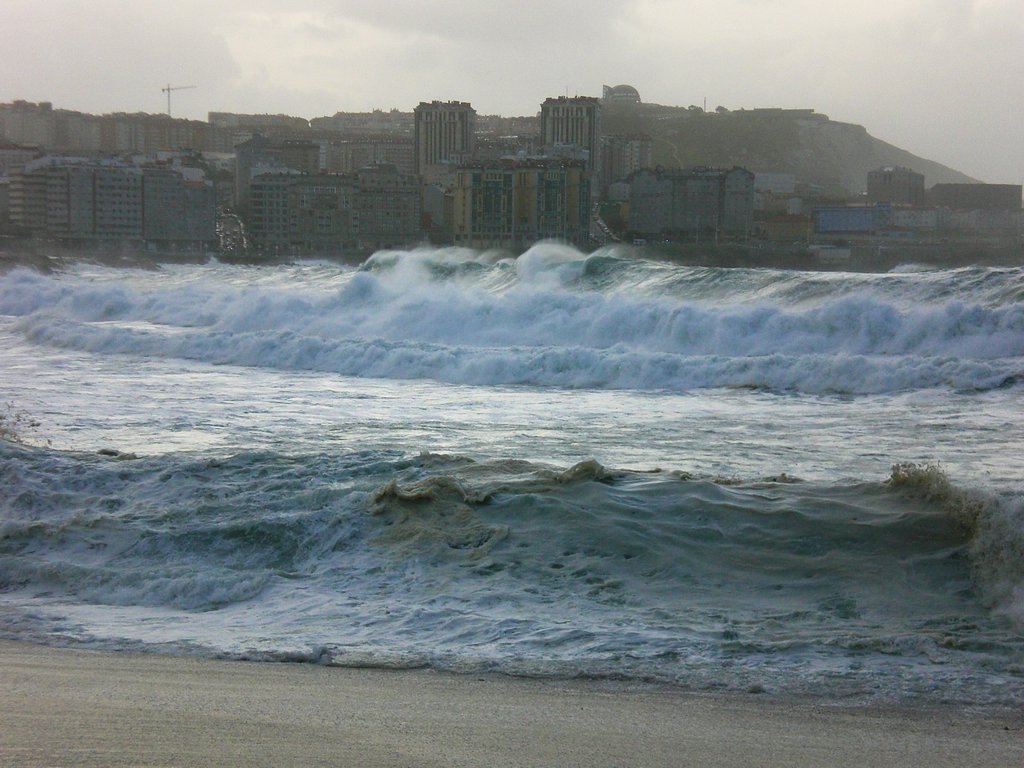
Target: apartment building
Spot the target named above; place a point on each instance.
(81, 202)
(514, 204)
(623, 155)
(373, 208)
(444, 136)
(574, 121)
(695, 202)
(351, 154)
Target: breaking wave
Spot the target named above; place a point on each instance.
(553, 318)
(518, 567)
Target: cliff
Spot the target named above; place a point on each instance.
(831, 155)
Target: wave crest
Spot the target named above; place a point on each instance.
(995, 528)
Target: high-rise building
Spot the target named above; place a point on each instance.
(624, 155)
(444, 134)
(177, 211)
(388, 207)
(27, 203)
(574, 121)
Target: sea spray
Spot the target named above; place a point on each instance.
(398, 324)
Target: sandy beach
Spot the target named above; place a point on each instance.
(86, 708)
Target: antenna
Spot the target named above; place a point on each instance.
(168, 90)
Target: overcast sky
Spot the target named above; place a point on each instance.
(941, 78)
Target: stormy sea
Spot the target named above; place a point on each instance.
(556, 465)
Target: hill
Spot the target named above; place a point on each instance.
(831, 155)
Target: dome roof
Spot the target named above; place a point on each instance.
(622, 92)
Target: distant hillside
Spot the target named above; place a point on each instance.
(834, 156)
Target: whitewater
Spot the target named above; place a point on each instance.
(560, 464)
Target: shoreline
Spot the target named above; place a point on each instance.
(864, 258)
(105, 708)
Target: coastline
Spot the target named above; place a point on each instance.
(874, 258)
(104, 708)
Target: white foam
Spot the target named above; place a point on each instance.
(402, 318)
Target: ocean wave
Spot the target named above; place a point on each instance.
(268, 514)
(995, 526)
(390, 321)
(514, 566)
(620, 366)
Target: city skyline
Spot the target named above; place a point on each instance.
(940, 78)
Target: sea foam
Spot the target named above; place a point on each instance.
(548, 322)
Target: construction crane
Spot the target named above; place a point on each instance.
(168, 90)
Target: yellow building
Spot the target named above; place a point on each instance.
(513, 205)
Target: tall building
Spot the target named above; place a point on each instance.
(177, 211)
(444, 134)
(27, 201)
(899, 186)
(388, 207)
(624, 155)
(574, 121)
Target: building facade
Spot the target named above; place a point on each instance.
(852, 219)
(624, 155)
(388, 208)
(347, 155)
(896, 185)
(514, 204)
(691, 203)
(260, 154)
(976, 197)
(574, 121)
(82, 202)
(376, 123)
(13, 156)
(376, 207)
(444, 135)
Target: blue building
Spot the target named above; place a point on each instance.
(852, 220)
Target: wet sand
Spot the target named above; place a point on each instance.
(63, 707)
